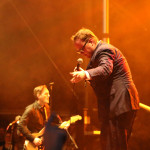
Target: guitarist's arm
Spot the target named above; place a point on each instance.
(22, 126)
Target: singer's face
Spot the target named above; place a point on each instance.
(83, 47)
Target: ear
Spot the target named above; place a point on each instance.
(38, 95)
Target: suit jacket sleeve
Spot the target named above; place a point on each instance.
(102, 64)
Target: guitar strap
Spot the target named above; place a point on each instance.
(45, 112)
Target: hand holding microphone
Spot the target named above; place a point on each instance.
(80, 61)
(78, 73)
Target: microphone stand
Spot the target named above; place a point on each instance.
(11, 146)
(73, 141)
(51, 95)
(50, 103)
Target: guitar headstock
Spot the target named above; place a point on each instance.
(75, 118)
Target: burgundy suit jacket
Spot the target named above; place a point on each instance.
(112, 81)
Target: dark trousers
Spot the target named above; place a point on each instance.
(116, 132)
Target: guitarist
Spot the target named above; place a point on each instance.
(35, 115)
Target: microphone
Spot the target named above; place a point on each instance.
(51, 85)
(13, 122)
(80, 61)
(17, 118)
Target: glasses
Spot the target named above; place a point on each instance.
(81, 51)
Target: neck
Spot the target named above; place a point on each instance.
(40, 103)
(95, 45)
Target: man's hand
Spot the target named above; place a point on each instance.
(80, 69)
(37, 141)
(64, 125)
(77, 76)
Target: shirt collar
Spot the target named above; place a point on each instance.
(38, 105)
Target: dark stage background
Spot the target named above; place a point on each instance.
(35, 49)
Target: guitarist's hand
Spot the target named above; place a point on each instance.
(37, 141)
(64, 125)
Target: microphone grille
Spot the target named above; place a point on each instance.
(51, 83)
(80, 60)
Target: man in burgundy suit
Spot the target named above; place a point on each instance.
(110, 77)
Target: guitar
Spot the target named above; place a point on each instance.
(64, 125)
